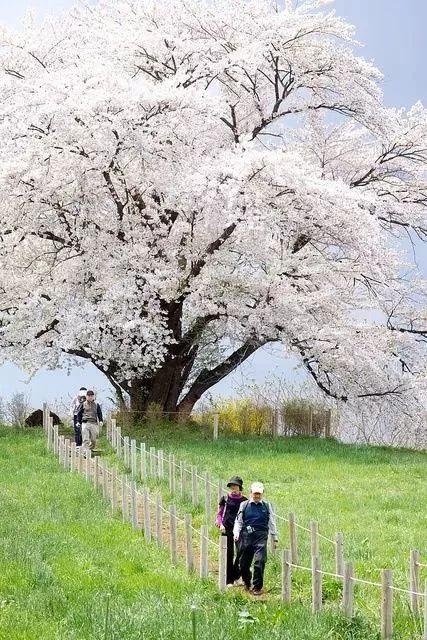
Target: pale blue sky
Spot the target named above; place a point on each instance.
(393, 33)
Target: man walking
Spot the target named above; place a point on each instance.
(226, 517)
(255, 521)
(75, 406)
(89, 416)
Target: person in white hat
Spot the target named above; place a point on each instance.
(75, 406)
(254, 522)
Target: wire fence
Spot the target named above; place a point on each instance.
(147, 513)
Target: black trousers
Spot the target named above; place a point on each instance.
(233, 556)
(77, 432)
(253, 548)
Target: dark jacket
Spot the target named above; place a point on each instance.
(227, 511)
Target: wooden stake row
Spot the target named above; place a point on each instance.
(73, 460)
(133, 502)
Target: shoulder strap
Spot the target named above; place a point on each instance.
(243, 506)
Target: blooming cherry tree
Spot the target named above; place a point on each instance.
(185, 182)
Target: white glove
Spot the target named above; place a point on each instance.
(101, 424)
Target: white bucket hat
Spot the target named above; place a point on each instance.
(257, 487)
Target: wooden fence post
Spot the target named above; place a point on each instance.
(88, 463)
(113, 433)
(55, 440)
(172, 534)
(387, 605)
(219, 492)
(133, 457)
(316, 581)
(194, 487)
(124, 499)
(59, 452)
(143, 469)
(310, 420)
(73, 457)
(278, 430)
(147, 516)
(293, 538)
(414, 579)
(45, 416)
(339, 554)
(153, 462)
(204, 551)
(50, 433)
(104, 481)
(171, 474)
(159, 517)
(207, 497)
(182, 482)
(222, 563)
(314, 536)
(215, 426)
(348, 590)
(66, 458)
(133, 511)
(80, 461)
(119, 443)
(425, 610)
(189, 558)
(113, 489)
(286, 576)
(126, 451)
(160, 464)
(96, 472)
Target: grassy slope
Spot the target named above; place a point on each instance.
(61, 553)
(376, 496)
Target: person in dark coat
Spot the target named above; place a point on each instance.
(227, 511)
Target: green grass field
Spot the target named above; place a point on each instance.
(376, 496)
(63, 557)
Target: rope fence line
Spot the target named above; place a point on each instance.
(353, 579)
(188, 469)
(96, 471)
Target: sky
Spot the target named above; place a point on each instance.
(393, 35)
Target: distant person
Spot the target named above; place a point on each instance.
(227, 511)
(255, 521)
(89, 416)
(75, 406)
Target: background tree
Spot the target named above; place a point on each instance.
(16, 409)
(185, 182)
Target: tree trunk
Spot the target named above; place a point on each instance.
(165, 388)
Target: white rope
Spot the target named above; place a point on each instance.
(326, 538)
(415, 593)
(373, 584)
(298, 566)
(332, 575)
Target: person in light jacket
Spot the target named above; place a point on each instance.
(255, 521)
(89, 416)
